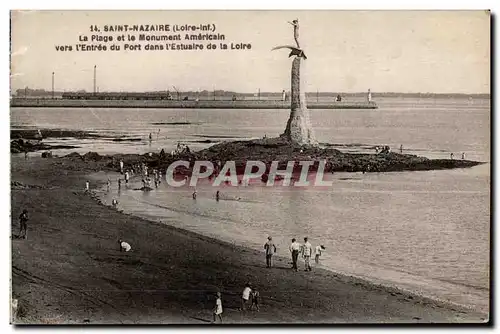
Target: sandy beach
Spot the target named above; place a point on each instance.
(70, 269)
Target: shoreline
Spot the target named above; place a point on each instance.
(390, 287)
(329, 297)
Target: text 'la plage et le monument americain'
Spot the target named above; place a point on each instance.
(153, 37)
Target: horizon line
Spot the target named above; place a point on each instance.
(14, 91)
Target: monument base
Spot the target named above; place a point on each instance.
(298, 129)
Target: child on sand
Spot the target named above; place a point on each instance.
(245, 297)
(124, 246)
(319, 250)
(218, 308)
(255, 300)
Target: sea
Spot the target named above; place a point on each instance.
(427, 232)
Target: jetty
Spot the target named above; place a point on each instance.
(182, 104)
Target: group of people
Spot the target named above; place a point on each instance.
(250, 300)
(306, 250)
(181, 149)
(387, 149)
(295, 250)
(250, 297)
(146, 181)
(143, 170)
(383, 149)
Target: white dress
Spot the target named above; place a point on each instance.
(218, 302)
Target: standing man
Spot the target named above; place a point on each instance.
(87, 186)
(294, 249)
(306, 253)
(270, 248)
(23, 220)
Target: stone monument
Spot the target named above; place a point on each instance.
(298, 129)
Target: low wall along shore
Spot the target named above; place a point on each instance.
(192, 104)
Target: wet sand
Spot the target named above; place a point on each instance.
(70, 270)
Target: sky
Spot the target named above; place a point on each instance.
(347, 51)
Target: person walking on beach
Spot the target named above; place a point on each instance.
(245, 297)
(217, 196)
(124, 246)
(121, 166)
(270, 248)
(25, 155)
(87, 186)
(463, 156)
(306, 253)
(23, 222)
(294, 249)
(218, 308)
(319, 250)
(119, 184)
(255, 299)
(127, 176)
(451, 156)
(108, 184)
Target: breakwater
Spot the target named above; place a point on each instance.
(189, 104)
